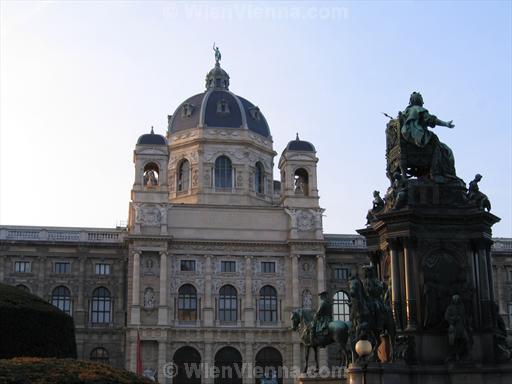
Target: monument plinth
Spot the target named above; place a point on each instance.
(429, 240)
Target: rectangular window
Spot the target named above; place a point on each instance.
(22, 266)
(341, 274)
(62, 267)
(102, 269)
(268, 267)
(228, 266)
(188, 265)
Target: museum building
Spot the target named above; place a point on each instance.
(216, 253)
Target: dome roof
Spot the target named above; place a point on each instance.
(217, 107)
(152, 139)
(299, 145)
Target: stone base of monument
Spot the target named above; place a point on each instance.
(457, 373)
(331, 377)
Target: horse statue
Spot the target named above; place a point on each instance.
(338, 332)
(371, 317)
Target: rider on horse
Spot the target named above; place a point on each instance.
(320, 325)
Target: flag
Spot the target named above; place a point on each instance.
(138, 369)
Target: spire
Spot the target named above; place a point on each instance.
(152, 131)
(297, 137)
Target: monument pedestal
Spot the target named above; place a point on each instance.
(331, 377)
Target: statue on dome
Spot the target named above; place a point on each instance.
(218, 56)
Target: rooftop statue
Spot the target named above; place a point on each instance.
(218, 56)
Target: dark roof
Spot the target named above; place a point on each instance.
(241, 112)
(152, 139)
(299, 145)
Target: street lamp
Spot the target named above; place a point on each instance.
(363, 349)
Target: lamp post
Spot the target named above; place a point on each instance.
(364, 349)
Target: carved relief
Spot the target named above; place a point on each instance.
(195, 178)
(305, 221)
(207, 178)
(149, 215)
(149, 298)
(307, 299)
(239, 180)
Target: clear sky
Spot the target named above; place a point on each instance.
(80, 81)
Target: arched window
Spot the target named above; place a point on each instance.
(183, 176)
(61, 298)
(23, 288)
(341, 306)
(99, 355)
(223, 173)
(301, 181)
(151, 174)
(268, 304)
(187, 365)
(228, 303)
(259, 178)
(269, 364)
(228, 362)
(187, 303)
(101, 306)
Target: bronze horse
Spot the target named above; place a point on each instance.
(338, 332)
(370, 319)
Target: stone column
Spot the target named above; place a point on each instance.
(163, 308)
(396, 297)
(295, 282)
(485, 291)
(249, 363)
(409, 285)
(249, 308)
(296, 357)
(208, 306)
(135, 315)
(208, 364)
(162, 360)
(133, 354)
(80, 319)
(320, 275)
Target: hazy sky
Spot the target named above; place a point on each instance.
(81, 81)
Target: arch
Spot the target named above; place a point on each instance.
(61, 298)
(187, 303)
(23, 287)
(268, 304)
(259, 178)
(341, 306)
(150, 174)
(99, 355)
(223, 173)
(183, 176)
(301, 182)
(270, 362)
(101, 306)
(228, 303)
(187, 360)
(228, 362)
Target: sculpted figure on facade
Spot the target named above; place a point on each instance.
(377, 206)
(459, 340)
(149, 298)
(475, 196)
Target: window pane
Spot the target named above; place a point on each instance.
(223, 172)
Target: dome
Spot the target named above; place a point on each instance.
(217, 107)
(152, 139)
(299, 145)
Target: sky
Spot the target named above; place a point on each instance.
(81, 81)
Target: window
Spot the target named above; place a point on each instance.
(341, 274)
(102, 269)
(23, 288)
(268, 304)
(99, 355)
(228, 303)
(22, 266)
(183, 176)
(62, 267)
(223, 173)
(188, 265)
(101, 306)
(341, 306)
(268, 267)
(61, 298)
(187, 303)
(228, 266)
(259, 178)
